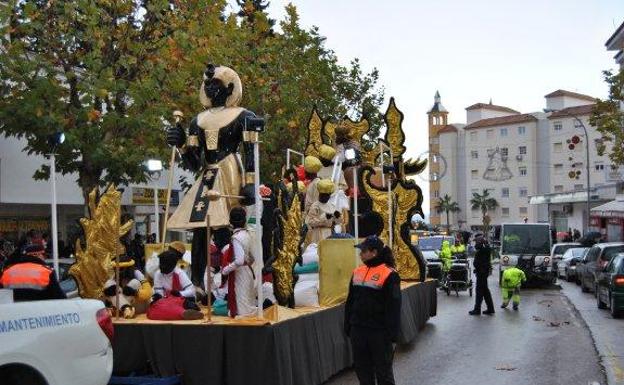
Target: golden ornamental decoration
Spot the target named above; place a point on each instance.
(283, 285)
(394, 134)
(102, 231)
(315, 134)
(409, 198)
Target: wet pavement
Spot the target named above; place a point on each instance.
(545, 342)
(607, 332)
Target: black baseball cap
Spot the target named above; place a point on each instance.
(371, 242)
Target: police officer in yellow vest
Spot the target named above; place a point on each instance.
(373, 312)
(30, 278)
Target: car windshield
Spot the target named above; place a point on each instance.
(429, 244)
(611, 252)
(560, 249)
(526, 239)
(576, 252)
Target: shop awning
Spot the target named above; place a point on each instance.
(613, 209)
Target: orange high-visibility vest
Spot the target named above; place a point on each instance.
(26, 276)
(373, 277)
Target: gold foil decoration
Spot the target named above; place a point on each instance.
(283, 285)
(407, 200)
(315, 138)
(212, 139)
(93, 265)
(394, 134)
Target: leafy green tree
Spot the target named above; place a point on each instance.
(93, 70)
(110, 73)
(447, 205)
(608, 117)
(485, 203)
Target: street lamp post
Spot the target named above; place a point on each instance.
(54, 141)
(155, 166)
(587, 160)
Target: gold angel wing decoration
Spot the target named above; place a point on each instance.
(102, 232)
(315, 138)
(414, 167)
(288, 253)
(409, 200)
(394, 134)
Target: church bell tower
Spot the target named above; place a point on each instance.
(438, 119)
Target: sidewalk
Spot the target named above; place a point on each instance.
(607, 332)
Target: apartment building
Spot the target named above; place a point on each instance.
(533, 164)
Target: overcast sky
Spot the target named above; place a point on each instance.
(513, 52)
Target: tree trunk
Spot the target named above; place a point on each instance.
(448, 224)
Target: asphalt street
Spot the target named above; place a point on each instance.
(546, 342)
(606, 331)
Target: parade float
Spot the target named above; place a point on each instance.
(285, 343)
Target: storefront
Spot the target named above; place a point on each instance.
(608, 219)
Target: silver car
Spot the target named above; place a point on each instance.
(566, 268)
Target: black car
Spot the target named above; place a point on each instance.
(610, 288)
(595, 261)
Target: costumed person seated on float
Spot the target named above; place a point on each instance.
(322, 216)
(237, 268)
(211, 148)
(174, 293)
(312, 165)
(327, 155)
(133, 287)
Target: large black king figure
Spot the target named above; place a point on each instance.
(212, 150)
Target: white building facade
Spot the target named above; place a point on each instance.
(533, 164)
(25, 202)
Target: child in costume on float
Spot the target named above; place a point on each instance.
(237, 268)
(133, 288)
(174, 293)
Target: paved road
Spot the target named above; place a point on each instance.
(546, 342)
(607, 332)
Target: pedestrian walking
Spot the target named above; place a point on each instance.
(373, 313)
(512, 279)
(483, 268)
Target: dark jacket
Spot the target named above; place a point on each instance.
(375, 308)
(482, 263)
(52, 291)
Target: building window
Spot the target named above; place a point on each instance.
(522, 150)
(599, 166)
(503, 132)
(521, 130)
(578, 187)
(557, 147)
(505, 211)
(474, 174)
(489, 134)
(558, 188)
(436, 193)
(523, 171)
(434, 140)
(558, 169)
(473, 136)
(504, 151)
(505, 192)
(523, 192)
(557, 126)
(474, 154)
(523, 210)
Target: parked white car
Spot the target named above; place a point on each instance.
(55, 342)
